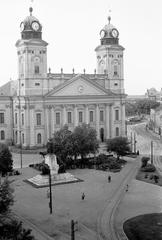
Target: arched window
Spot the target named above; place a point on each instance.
(22, 137)
(102, 66)
(2, 135)
(115, 67)
(117, 132)
(39, 140)
(36, 65)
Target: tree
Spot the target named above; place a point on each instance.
(10, 228)
(6, 161)
(119, 146)
(60, 144)
(86, 140)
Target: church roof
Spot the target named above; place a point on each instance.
(9, 89)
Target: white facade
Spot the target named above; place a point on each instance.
(46, 101)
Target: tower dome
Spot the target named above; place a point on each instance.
(109, 34)
(31, 27)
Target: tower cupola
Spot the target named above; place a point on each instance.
(31, 27)
(109, 34)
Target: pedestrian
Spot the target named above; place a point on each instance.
(109, 178)
(83, 196)
(127, 188)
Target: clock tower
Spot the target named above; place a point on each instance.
(109, 58)
(32, 58)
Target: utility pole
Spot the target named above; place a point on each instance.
(135, 143)
(50, 203)
(151, 152)
(131, 143)
(73, 230)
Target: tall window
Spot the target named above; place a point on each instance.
(36, 65)
(21, 65)
(39, 138)
(22, 120)
(117, 132)
(1, 117)
(101, 115)
(15, 118)
(116, 114)
(91, 116)
(69, 118)
(57, 118)
(80, 117)
(38, 116)
(115, 67)
(2, 135)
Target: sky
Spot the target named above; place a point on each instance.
(71, 27)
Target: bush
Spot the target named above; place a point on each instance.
(45, 169)
(148, 168)
(144, 161)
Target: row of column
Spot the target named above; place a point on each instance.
(49, 121)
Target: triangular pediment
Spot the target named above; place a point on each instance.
(79, 86)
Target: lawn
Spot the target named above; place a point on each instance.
(147, 226)
(141, 177)
(144, 227)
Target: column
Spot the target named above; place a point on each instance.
(47, 121)
(97, 121)
(123, 133)
(107, 121)
(32, 133)
(64, 115)
(112, 120)
(75, 115)
(18, 124)
(25, 126)
(86, 114)
(52, 120)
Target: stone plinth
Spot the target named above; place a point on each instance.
(43, 180)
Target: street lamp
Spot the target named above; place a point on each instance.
(160, 128)
(20, 147)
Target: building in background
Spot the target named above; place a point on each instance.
(41, 102)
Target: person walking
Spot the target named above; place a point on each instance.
(109, 178)
(83, 196)
(127, 188)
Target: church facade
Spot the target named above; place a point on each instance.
(41, 102)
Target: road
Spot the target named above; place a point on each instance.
(144, 138)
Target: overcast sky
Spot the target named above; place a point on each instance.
(71, 27)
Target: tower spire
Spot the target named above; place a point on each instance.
(31, 8)
(109, 17)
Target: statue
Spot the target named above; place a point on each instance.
(51, 161)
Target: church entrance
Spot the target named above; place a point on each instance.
(102, 134)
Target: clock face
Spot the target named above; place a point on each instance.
(80, 89)
(22, 26)
(114, 32)
(35, 26)
(102, 33)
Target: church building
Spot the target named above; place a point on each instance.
(41, 102)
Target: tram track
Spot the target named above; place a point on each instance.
(105, 222)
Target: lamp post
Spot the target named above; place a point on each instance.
(20, 147)
(50, 192)
(161, 128)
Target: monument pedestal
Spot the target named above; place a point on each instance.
(43, 180)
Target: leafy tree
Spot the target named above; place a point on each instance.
(14, 230)
(6, 161)
(119, 146)
(10, 228)
(86, 140)
(6, 197)
(60, 144)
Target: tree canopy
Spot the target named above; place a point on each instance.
(119, 146)
(6, 161)
(65, 144)
(10, 228)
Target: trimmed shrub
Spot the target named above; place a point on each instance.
(144, 161)
(45, 169)
(148, 168)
